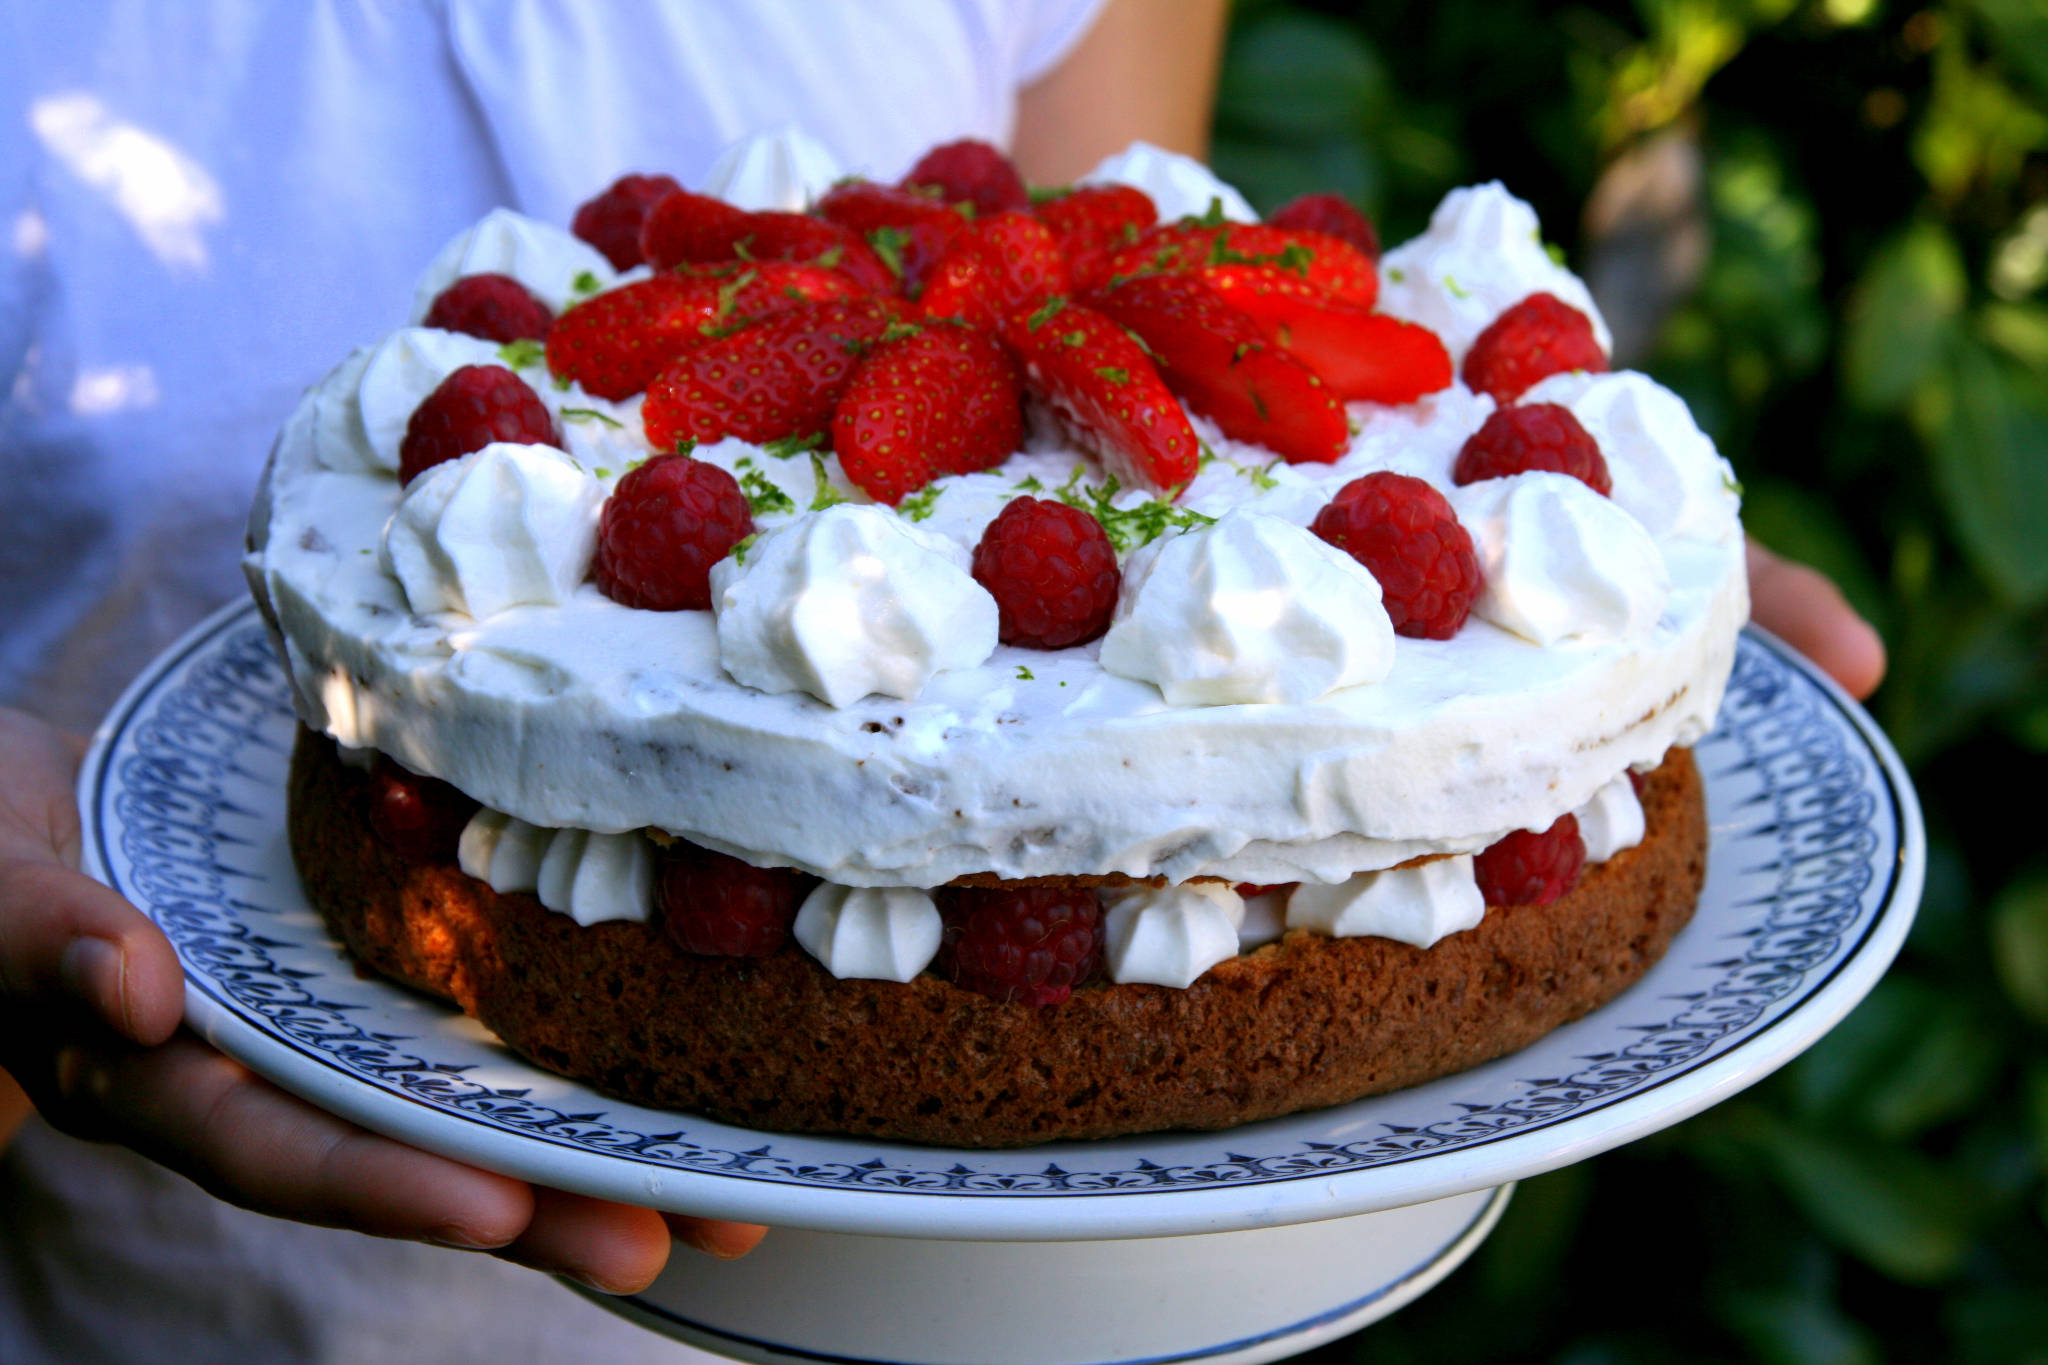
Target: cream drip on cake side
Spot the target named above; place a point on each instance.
(592, 715)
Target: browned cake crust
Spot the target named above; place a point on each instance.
(779, 1043)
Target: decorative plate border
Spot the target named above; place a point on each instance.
(1827, 822)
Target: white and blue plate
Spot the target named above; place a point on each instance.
(1814, 871)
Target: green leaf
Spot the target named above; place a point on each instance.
(1986, 424)
(1785, 1327)
(1296, 76)
(1908, 1058)
(1905, 1215)
(2019, 944)
(1902, 315)
(2003, 1326)
(2019, 31)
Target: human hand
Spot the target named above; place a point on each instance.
(90, 1001)
(1804, 608)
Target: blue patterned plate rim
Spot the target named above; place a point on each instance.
(1324, 1164)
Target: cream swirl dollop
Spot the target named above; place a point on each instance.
(1170, 935)
(849, 602)
(500, 527)
(1249, 609)
(1612, 820)
(1179, 186)
(784, 168)
(1417, 905)
(588, 876)
(541, 256)
(1483, 253)
(1666, 472)
(1560, 561)
(882, 933)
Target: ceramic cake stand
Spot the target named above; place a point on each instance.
(1246, 1245)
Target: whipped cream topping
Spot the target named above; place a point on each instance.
(1416, 905)
(501, 527)
(587, 876)
(785, 168)
(1666, 472)
(849, 602)
(1180, 186)
(1561, 562)
(1250, 609)
(1612, 820)
(546, 259)
(1483, 253)
(1265, 919)
(1170, 935)
(1029, 763)
(886, 933)
(403, 369)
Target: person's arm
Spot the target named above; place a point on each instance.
(1146, 69)
(90, 1001)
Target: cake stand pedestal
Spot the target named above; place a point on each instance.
(1265, 1294)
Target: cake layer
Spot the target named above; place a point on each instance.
(779, 1043)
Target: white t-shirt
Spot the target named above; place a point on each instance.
(203, 207)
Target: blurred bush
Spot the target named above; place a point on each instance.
(1826, 223)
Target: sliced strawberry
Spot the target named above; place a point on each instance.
(997, 267)
(970, 171)
(1094, 220)
(688, 227)
(1337, 271)
(1107, 391)
(615, 343)
(778, 377)
(1360, 354)
(801, 237)
(1331, 213)
(943, 400)
(907, 228)
(1219, 360)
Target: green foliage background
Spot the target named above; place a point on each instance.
(1868, 340)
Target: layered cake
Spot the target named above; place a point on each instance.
(929, 662)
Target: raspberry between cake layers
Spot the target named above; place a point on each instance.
(447, 624)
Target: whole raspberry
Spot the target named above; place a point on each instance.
(1052, 572)
(1027, 944)
(663, 528)
(472, 407)
(1538, 337)
(1532, 436)
(494, 307)
(970, 171)
(611, 221)
(1407, 535)
(1528, 868)
(1331, 213)
(419, 816)
(719, 906)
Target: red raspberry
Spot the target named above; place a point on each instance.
(474, 406)
(1331, 213)
(1052, 572)
(1407, 535)
(971, 171)
(663, 528)
(1528, 868)
(1027, 944)
(1538, 337)
(1532, 436)
(494, 307)
(721, 907)
(420, 817)
(611, 222)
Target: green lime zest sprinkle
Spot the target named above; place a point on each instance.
(602, 472)
(1398, 275)
(1457, 290)
(888, 243)
(1554, 252)
(1115, 374)
(918, 505)
(523, 353)
(742, 545)
(562, 383)
(785, 447)
(1127, 527)
(1047, 311)
(1024, 674)
(586, 282)
(1028, 484)
(685, 445)
(825, 495)
(762, 495)
(590, 415)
